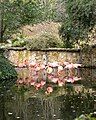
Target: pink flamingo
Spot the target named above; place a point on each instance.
(60, 68)
(69, 66)
(49, 90)
(42, 67)
(50, 76)
(20, 81)
(76, 78)
(26, 62)
(21, 65)
(70, 80)
(54, 79)
(37, 86)
(32, 64)
(66, 63)
(49, 69)
(76, 65)
(60, 83)
(32, 82)
(54, 64)
(42, 82)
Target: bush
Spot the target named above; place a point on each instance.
(80, 19)
(45, 41)
(7, 71)
(86, 117)
(19, 42)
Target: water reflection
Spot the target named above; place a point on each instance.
(4, 89)
(65, 103)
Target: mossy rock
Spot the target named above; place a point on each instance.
(7, 71)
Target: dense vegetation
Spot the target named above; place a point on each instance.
(6, 69)
(78, 17)
(86, 117)
(79, 21)
(16, 13)
(41, 42)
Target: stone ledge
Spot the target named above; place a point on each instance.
(48, 49)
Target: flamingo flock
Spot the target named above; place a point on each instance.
(55, 72)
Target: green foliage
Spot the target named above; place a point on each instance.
(47, 12)
(19, 42)
(41, 42)
(85, 117)
(6, 69)
(81, 18)
(16, 13)
(44, 41)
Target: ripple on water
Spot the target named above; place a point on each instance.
(10, 113)
(17, 117)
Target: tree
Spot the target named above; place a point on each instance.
(1, 22)
(59, 10)
(15, 13)
(80, 19)
(53, 10)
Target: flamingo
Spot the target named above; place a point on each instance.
(26, 81)
(37, 86)
(26, 62)
(54, 64)
(32, 64)
(42, 67)
(49, 70)
(73, 79)
(32, 82)
(76, 65)
(49, 90)
(55, 76)
(20, 81)
(42, 83)
(50, 76)
(60, 83)
(37, 68)
(69, 66)
(60, 68)
(54, 80)
(21, 65)
(66, 63)
(76, 78)
(70, 79)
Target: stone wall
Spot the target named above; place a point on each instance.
(86, 57)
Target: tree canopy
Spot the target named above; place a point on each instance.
(16, 13)
(80, 19)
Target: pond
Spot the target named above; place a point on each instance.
(64, 103)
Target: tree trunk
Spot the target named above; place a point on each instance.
(1, 24)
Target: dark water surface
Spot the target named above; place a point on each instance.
(65, 103)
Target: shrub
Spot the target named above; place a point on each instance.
(7, 71)
(45, 41)
(19, 42)
(86, 117)
(80, 19)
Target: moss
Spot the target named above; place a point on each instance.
(7, 71)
